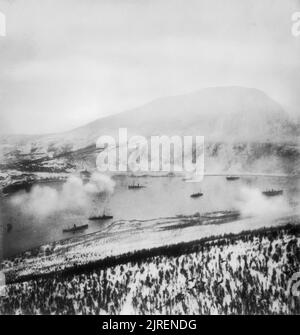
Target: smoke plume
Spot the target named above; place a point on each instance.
(251, 202)
(74, 195)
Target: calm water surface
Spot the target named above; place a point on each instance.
(162, 196)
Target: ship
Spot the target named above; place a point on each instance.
(272, 193)
(230, 178)
(75, 228)
(196, 195)
(135, 186)
(100, 217)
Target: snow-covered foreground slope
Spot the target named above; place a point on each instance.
(123, 236)
(247, 273)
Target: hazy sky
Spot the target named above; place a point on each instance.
(64, 63)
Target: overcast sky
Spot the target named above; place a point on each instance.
(64, 63)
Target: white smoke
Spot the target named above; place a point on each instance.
(251, 202)
(100, 183)
(74, 196)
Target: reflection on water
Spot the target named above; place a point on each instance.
(162, 197)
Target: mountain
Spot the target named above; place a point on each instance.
(220, 114)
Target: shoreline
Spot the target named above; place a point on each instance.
(78, 238)
(62, 177)
(173, 250)
(124, 237)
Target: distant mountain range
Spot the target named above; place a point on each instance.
(221, 114)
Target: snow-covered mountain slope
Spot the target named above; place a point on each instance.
(224, 113)
(221, 114)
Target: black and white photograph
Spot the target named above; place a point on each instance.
(149, 157)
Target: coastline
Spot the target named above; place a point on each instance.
(123, 237)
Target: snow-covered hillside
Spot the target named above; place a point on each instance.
(225, 116)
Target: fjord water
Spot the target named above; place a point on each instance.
(162, 197)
